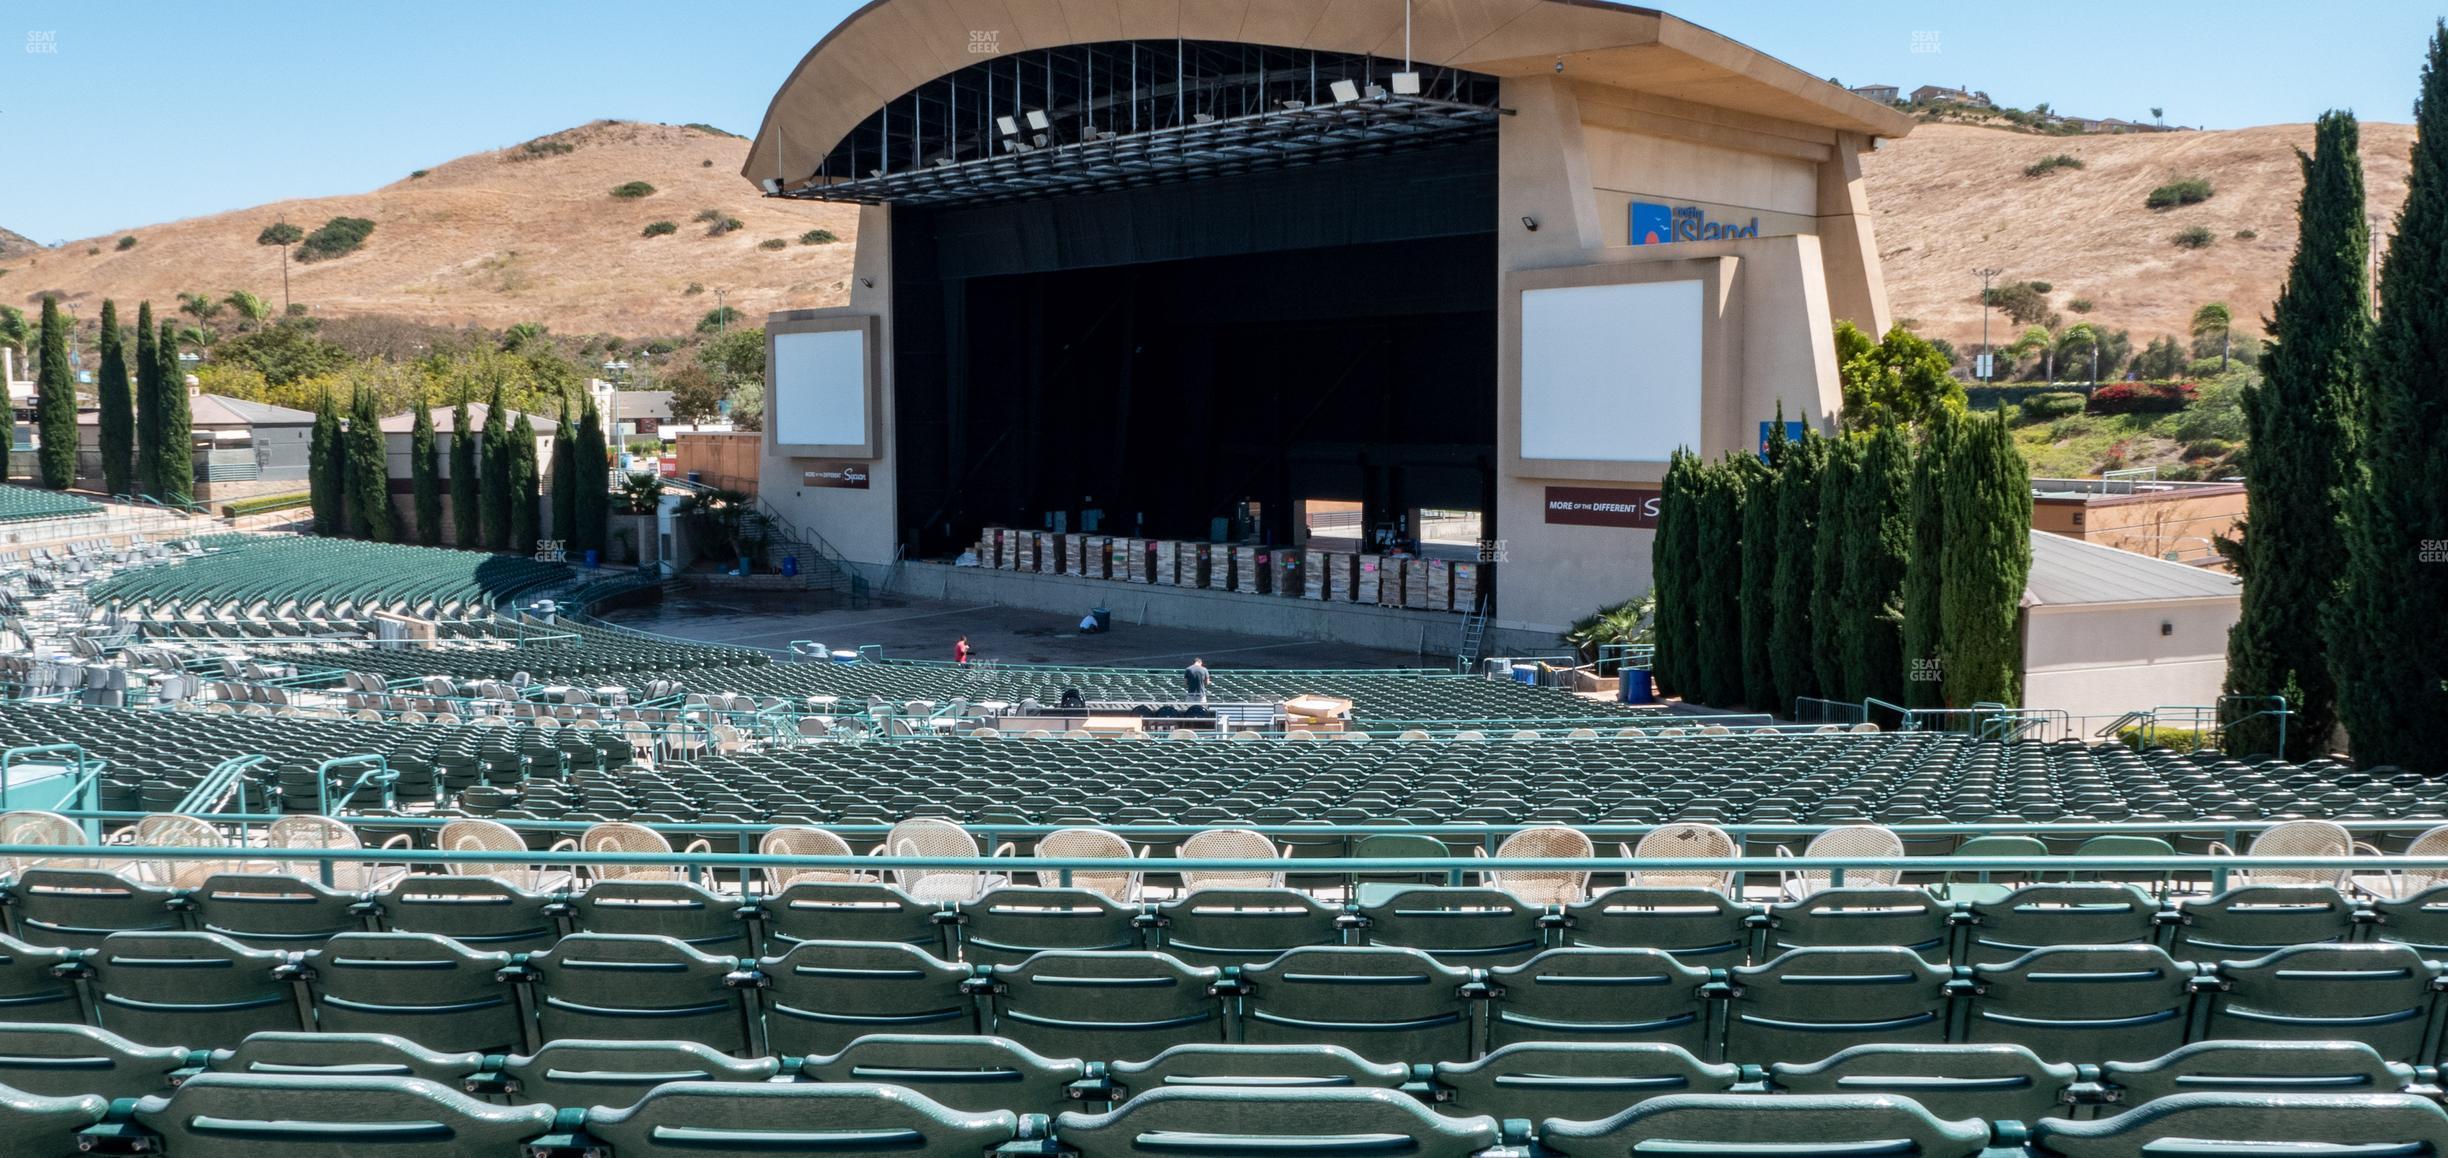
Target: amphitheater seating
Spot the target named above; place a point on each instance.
(25, 504)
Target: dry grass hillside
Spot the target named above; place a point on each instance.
(1951, 198)
(527, 233)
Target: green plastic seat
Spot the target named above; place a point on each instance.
(2256, 1067)
(2076, 1003)
(1700, 927)
(32, 987)
(2039, 916)
(1595, 995)
(482, 913)
(1877, 916)
(845, 911)
(1244, 926)
(1810, 1003)
(2227, 1125)
(2420, 920)
(1242, 1121)
(822, 995)
(353, 1055)
(1255, 1066)
(638, 988)
(2380, 995)
(2256, 919)
(45, 1125)
(245, 1116)
(59, 1061)
(199, 990)
(579, 1072)
(1474, 928)
(77, 908)
(1008, 925)
(428, 989)
(1975, 886)
(1950, 1081)
(1583, 1081)
(966, 1073)
(737, 1120)
(689, 913)
(1117, 1006)
(273, 910)
(1383, 1004)
(1786, 1126)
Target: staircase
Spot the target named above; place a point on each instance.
(821, 568)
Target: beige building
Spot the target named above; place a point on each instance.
(2176, 521)
(1181, 267)
(2107, 631)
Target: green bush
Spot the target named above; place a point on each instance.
(724, 226)
(694, 288)
(337, 237)
(261, 503)
(659, 228)
(543, 148)
(2188, 191)
(2209, 448)
(2217, 413)
(2177, 739)
(719, 318)
(773, 243)
(2068, 428)
(2050, 164)
(128, 242)
(707, 215)
(2042, 287)
(2054, 404)
(413, 174)
(2197, 237)
(2079, 305)
(2247, 234)
(818, 237)
(632, 190)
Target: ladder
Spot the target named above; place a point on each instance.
(1474, 635)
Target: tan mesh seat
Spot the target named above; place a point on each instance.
(494, 836)
(176, 830)
(1845, 840)
(1545, 888)
(1686, 840)
(927, 836)
(1230, 844)
(2407, 882)
(622, 836)
(1090, 842)
(323, 832)
(36, 827)
(2296, 838)
(800, 840)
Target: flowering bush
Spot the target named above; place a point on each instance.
(2141, 398)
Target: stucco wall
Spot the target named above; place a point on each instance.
(862, 524)
(2108, 659)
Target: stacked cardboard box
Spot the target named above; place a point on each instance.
(1440, 585)
(1167, 572)
(1465, 586)
(1313, 713)
(1319, 566)
(1415, 583)
(1364, 585)
(1244, 576)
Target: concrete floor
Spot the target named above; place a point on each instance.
(925, 629)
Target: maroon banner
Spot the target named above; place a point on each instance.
(847, 475)
(1635, 507)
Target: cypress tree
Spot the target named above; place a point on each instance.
(1878, 539)
(176, 471)
(326, 477)
(425, 473)
(523, 501)
(148, 402)
(1987, 558)
(494, 502)
(115, 416)
(593, 501)
(1789, 629)
(2388, 630)
(2298, 420)
(1759, 515)
(1921, 632)
(466, 527)
(565, 477)
(1671, 552)
(55, 402)
(1717, 585)
(1831, 621)
(369, 471)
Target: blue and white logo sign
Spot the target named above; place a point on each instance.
(1654, 223)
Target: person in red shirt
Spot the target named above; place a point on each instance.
(960, 650)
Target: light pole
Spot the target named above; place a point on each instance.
(1988, 355)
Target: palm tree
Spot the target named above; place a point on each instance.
(2214, 318)
(2036, 340)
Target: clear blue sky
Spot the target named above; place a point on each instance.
(149, 112)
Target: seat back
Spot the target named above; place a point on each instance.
(2251, 920)
(33, 988)
(1601, 995)
(245, 1116)
(1684, 839)
(1842, 917)
(46, 1125)
(1256, 1066)
(1814, 1002)
(637, 988)
(431, 990)
(1381, 1003)
(1089, 842)
(77, 908)
(689, 913)
(2380, 995)
(2220, 1125)
(2418, 919)
(1295, 1121)
(928, 836)
(2038, 916)
(1950, 1081)
(1118, 1006)
(1699, 926)
(360, 1055)
(2302, 838)
(1216, 926)
(980, 1074)
(1007, 925)
(727, 1118)
(581, 1072)
(1582, 1081)
(813, 910)
(199, 990)
(1865, 840)
(273, 910)
(60, 1061)
(1743, 1125)
(2081, 1003)
(798, 840)
(1545, 888)
(2256, 1067)
(1469, 927)
(821, 995)
(1230, 844)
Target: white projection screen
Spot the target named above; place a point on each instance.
(820, 388)
(1611, 373)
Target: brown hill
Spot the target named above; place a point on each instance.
(527, 233)
(1951, 198)
(14, 244)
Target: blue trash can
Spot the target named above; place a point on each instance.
(1525, 673)
(790, 566)
(1636, 686)
(593, 559)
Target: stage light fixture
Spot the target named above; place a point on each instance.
(1345, 92)
(1202, 118)
(1010, 127)
(1037, 120)
(1376, 92)
(1530, 223)
(771, 184)
(1294, 106)
(1406, 84)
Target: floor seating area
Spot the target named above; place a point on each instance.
(23, 504)
(309, 579)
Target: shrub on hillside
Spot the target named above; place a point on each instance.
(413, 174)
(539, 148)
(2141, 398)
(2042, 287)
(632, 190)
(2054, 404)
(2079, 305)
(2217, 414)
(2188, 191)
(659, 228)
(128, 242)
(2198, 237)
(724, 226)
(773, 243)
(2209, 448)
(707, 215)
(2247, 234)
(818, 237)
(2050, 164)
(337, 237)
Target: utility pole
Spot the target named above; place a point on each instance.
(1989, 355)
